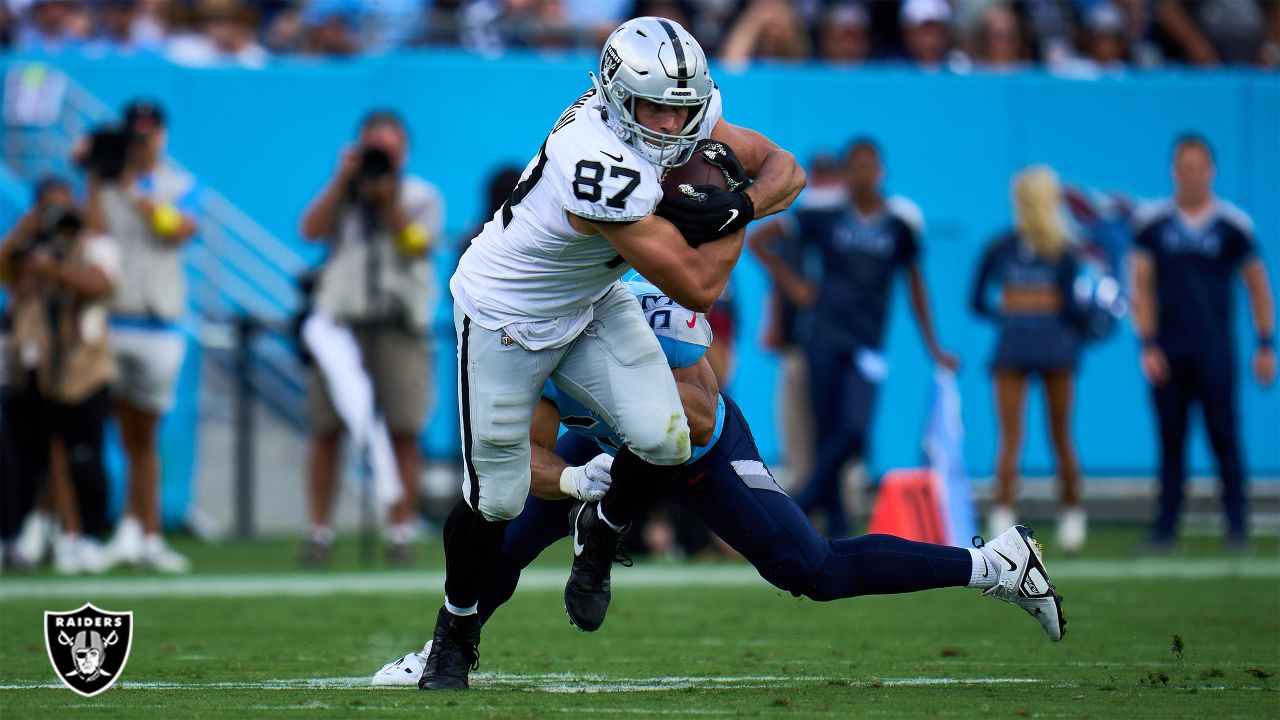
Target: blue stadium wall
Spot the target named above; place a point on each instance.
(268, 140)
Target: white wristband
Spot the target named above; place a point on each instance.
(567, 485)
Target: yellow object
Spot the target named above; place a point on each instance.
(166, 220)
(413, 239)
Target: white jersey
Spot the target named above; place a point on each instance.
(529, 272)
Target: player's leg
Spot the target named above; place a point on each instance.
(617, 369)
(1011, 398)
(537, 527)
(1217, 391)
(1172, 401)
(826, 390)
(738, 499)
(498, 386)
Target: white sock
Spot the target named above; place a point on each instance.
(322, 534)
(600, 512)
(399, 534)
(460, 612)
(984, 574)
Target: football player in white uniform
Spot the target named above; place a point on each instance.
(536, 297)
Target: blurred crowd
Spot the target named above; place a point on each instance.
(1070, 36)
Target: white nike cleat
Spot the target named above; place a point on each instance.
(66, 555)
(158, 556)
(127, 545)
(35, 538)
(1023, 579)
(403, 672)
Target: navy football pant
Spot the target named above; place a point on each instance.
(731, 490)
(1209, 378)
(842, 401)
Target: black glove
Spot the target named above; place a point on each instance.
(721, 155)
(703, 213)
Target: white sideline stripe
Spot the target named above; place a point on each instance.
(544, 578)
(554, 683)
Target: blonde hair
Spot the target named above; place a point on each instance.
(1037, 206)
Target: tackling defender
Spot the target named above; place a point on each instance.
(728, 486)
(536, 297)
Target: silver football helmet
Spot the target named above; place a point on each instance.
(654, 59)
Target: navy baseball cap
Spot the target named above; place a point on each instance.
(143, 116)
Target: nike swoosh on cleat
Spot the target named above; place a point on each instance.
(577, 546)
(733, 215)
(615, 158)
(1012, 564)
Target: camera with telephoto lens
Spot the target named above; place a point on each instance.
(57, 228)
(108, 152)
(375, 164)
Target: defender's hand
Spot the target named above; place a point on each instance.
(589, 482)
(703, 213)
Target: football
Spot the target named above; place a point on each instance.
(698, 171)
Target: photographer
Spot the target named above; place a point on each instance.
(62, 274)
(379, 223)
(149, 208)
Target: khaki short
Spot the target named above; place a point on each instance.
(401, 381)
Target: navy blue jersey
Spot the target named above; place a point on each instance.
(1029, 341)
(859, 256)
(1194, 266)
(1011, 262)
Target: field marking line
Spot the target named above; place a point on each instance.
(547, 578)
(559, 683)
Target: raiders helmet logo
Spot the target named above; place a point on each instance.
(88, 647)
(609, 65)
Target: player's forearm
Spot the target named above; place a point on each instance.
(716, 262)
(321, 215)
(777, 184)
(546, 467)
(1258, 288)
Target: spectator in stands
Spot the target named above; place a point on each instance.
(1034, 269)
(926, 32)
(787, 324)
(1214, 32)
(379, 223)
(149, 208)
(330, 31)
(1106, 37)
(1000, 43)
(766, 30)
(343, 27)
(225, 34)
(123, 31)
(1186, 254)
(862, 244)
(63, 273)
(842, 35)
(53, 26)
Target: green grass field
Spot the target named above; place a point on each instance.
(250, 636)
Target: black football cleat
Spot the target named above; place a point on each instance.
(454, 653)
(595, 549)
